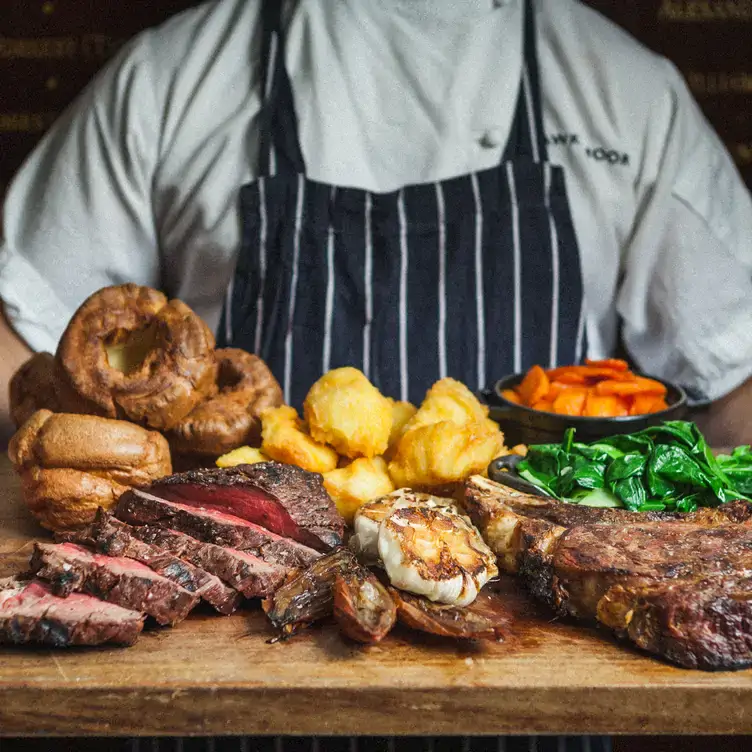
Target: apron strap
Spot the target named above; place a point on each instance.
(527, 138)
(279, 146)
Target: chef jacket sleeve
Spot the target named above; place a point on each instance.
(686, 296)
(78, 215)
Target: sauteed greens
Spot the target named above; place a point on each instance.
(665, 467)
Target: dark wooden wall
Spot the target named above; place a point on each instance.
(50, 48)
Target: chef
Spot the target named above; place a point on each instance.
(426, 189)
(418, 188)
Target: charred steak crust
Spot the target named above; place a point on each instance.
(679, 586)
(31, 613)
(110, 536)
(592, 558)
(252, 576)
(141, 508)
(696, 622)
(285, 499)
(70, 568)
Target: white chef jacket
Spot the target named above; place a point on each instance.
(138, 180)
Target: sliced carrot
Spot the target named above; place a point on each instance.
(642, 404)
(658, 405)
(597, 406)
(569, 378)
(544, 405)
(570, 401)
(557, 387)
(616, 363)
(520, 449)
(511, 396)
(640, 385)
(589, 373)
(534, 386)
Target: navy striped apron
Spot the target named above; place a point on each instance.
(472, 277)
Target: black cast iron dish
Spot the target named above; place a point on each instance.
(523, 425)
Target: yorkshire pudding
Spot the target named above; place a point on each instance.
(246, 387)
(71, 464)
(32, 388)
(129, 353)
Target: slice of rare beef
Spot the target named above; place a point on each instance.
(282, 498)
(252, 576)
(71, 568)
(110, 536)
(31, 613)
(210, 525)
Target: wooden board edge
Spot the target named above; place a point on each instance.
(217, 710)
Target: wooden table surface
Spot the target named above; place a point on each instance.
(218, 675)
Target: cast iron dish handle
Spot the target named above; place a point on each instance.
(503, 470)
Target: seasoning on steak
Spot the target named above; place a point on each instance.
(70, 568)
(252, 576)
(115, 538)
(677, 586)
(282, 498)
(141, 508)
(31, 613)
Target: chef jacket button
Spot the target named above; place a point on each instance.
(491, 139)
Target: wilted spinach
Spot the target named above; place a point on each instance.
(669, 467)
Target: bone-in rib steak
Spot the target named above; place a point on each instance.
(676, 585)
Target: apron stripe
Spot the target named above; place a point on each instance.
(271, 72)
(442, 345)
(329, 311)
(517, 269)
(368, 283)
(263, 231)
(228, 310)
(404, 260)
(293, 286)
(580, 336)
(480, 304)
(529, 108)
(553, 360)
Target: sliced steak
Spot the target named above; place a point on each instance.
(110, 536)
(252, 576)
(141, 508)
(282, 498)
(677, 585)
(31, 613)
(71, 568)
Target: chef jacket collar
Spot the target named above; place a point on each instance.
(446, 9)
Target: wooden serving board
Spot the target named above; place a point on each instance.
(218, 675)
